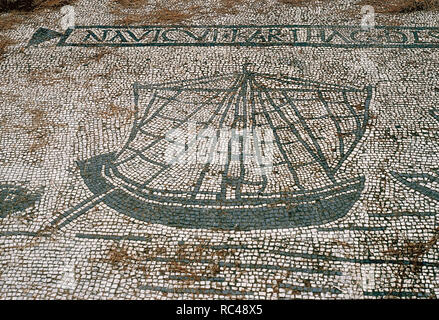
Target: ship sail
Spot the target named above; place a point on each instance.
(315, 126)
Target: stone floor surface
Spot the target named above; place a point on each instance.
(219, 150)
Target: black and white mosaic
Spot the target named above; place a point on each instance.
(236, 156)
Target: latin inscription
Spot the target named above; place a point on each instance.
(304, 36)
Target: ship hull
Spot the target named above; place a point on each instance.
(292, 209)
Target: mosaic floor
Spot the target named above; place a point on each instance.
(240, 150)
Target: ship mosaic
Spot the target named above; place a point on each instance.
(271, 152)
(316, 127)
